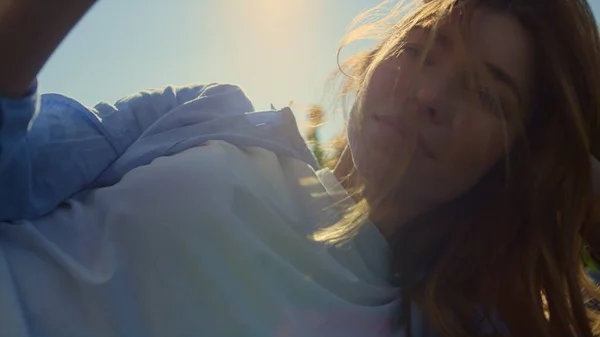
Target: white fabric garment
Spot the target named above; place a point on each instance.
(212, 241)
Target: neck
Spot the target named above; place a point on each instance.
(390, 215)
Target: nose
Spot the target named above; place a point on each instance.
(432, 96)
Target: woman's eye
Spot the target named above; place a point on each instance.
(488, 101)
(415, 51)
(412, 50)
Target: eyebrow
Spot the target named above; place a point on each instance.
(502, 76)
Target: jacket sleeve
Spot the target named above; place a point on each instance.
(52, 146)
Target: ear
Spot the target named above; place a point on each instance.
(595, 175)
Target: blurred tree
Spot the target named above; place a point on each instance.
(315, 120)
(326, 155)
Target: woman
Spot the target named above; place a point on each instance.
(467, 165)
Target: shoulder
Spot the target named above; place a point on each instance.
(176, 95)
(212, 170)
(206, 184)
(210, 159)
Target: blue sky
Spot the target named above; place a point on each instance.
(277, 50)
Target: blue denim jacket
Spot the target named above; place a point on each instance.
(52, 147)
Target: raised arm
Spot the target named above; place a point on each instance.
(30, 31)
(51, 146)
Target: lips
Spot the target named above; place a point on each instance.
(399, 127)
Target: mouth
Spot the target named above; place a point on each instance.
(399, 128)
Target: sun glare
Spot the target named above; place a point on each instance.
(269, 43)
(277, 18)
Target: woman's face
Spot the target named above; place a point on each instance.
(430, 131)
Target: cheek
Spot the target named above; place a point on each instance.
(478, 146)
(375, 157)
(477, 143)
(357, 145)
(387, 85)
(389, 82)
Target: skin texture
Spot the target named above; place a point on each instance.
(422, 136)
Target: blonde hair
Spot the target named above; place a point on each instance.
(508, 248)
